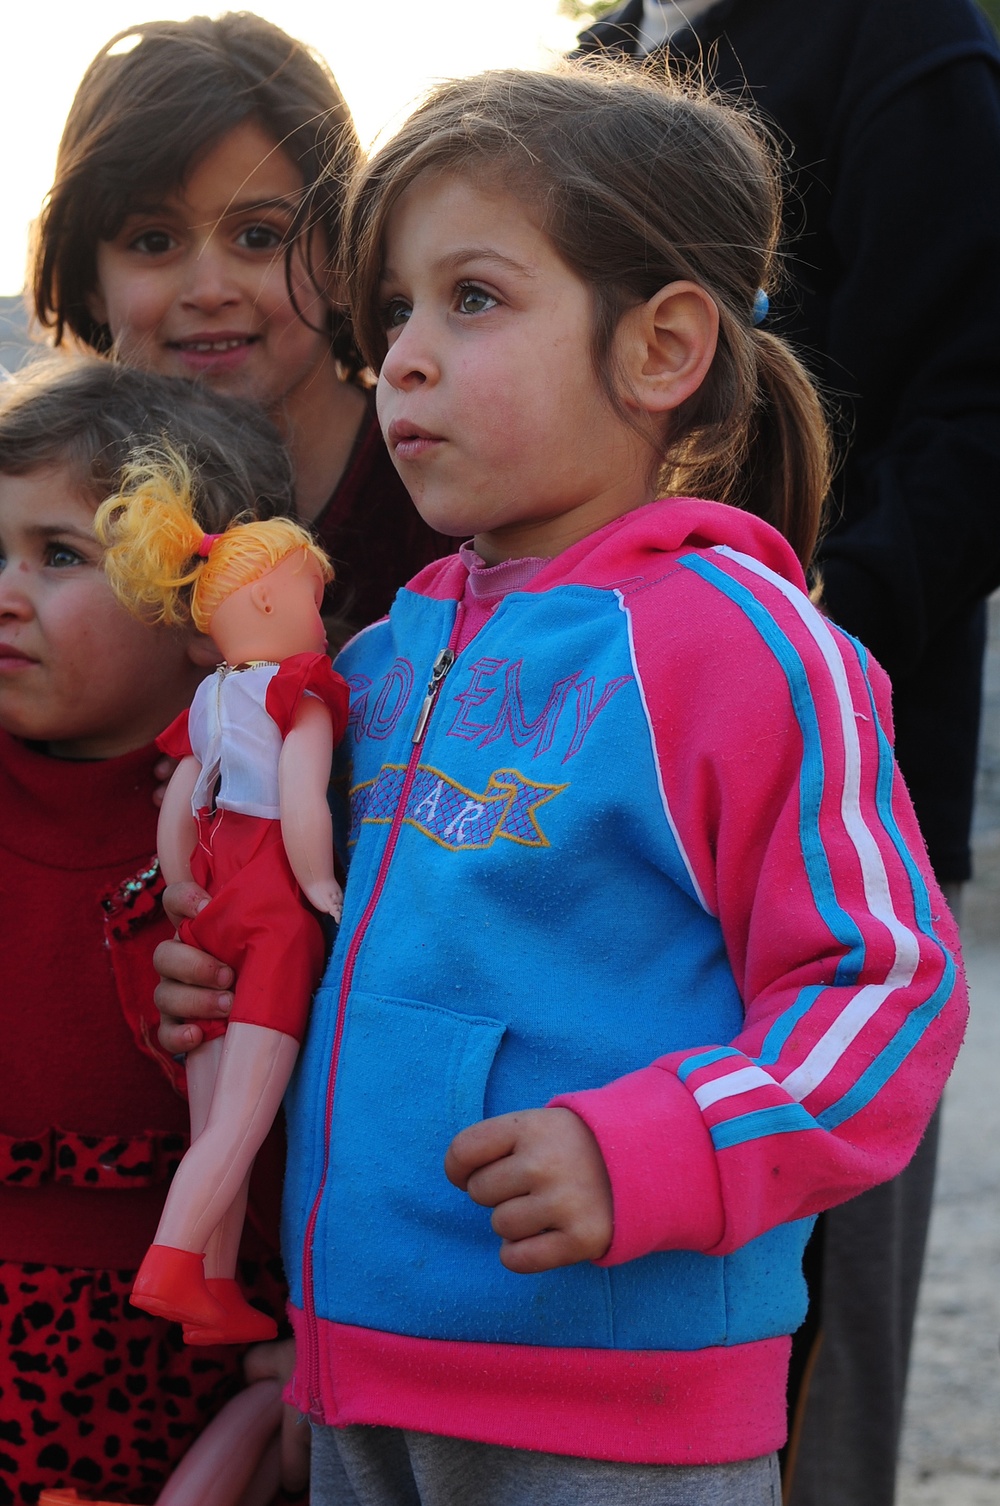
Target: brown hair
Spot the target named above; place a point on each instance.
(92, 417)
(638, 182)
(142, 116)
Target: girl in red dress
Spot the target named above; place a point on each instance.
(93, 1392)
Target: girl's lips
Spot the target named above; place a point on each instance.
(408, 441)
(214, 352)
(13, 659)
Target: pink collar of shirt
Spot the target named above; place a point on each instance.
(487, 585)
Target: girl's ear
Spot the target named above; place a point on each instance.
(667, 345)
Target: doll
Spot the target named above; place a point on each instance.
(245, 816)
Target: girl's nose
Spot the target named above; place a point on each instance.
(15, 593)
(211, 279)
(410, 362)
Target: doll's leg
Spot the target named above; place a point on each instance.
(253, 1070)
(224, 1245)
(201, 1069)
(253, 1073)
(243, 1323)
(171, 1282)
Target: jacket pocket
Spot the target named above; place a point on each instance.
(397, 1247)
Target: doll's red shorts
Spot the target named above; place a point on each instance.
(258, 921)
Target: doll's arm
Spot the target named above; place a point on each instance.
(303, 776)
(176, 832)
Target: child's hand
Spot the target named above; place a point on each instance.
(190, 981)
(184, 900)
(542, 1172)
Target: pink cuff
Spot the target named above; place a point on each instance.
(660, 1160)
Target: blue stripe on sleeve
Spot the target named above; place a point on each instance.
(705, 1059)
(786, 1022)
(840, 924)
(891, 1057)
(787, 1118)
(782, 1119)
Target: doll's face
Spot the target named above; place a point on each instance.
(77, 672)
(276, 616)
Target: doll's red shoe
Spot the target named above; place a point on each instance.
(171, 1284)
(243, 1324)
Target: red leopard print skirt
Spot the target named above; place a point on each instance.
(98, 1395)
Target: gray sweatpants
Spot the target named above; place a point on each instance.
(368, 1466)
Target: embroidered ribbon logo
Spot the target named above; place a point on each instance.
(450, 814)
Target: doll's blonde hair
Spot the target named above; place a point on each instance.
(152, 539)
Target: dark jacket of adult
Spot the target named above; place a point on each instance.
(889, 112)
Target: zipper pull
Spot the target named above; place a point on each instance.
(442, 664)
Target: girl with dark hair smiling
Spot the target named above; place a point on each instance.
(190, 230)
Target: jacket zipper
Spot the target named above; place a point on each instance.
(442, 665)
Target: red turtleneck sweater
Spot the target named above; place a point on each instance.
(75, 1005)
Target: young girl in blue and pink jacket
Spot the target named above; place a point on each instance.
(641, 962)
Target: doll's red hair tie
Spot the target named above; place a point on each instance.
(207, 540)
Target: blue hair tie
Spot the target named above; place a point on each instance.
(761, 304)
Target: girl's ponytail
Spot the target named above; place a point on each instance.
(754, 435)
(788, 464)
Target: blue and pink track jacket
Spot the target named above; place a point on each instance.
(640, 850)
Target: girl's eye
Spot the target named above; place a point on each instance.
(61, 556)
(473, 300)
(396, 313)
(152, 242)
(261, 237)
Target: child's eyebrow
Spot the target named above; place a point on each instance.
(255, 205)
(460, 257)
(60, 530)
(271, 201)
(465, 254)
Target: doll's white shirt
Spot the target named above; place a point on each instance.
(235, 741)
